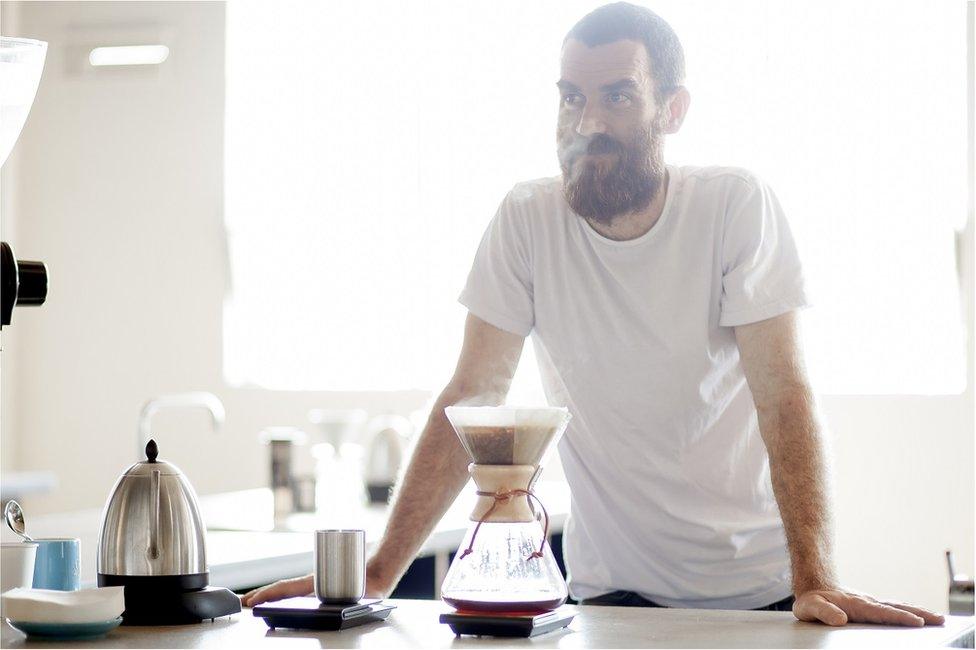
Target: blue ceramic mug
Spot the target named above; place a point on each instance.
(57, 564)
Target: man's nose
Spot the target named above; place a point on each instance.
(592, 121)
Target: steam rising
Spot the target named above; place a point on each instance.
(495, 381)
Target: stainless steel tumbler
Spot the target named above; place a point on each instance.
(340, 565)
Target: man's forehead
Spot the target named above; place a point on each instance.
(581, 64)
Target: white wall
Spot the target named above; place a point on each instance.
(116, 184)
(118, 190)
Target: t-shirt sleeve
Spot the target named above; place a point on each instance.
(499, 286)
(761, 272)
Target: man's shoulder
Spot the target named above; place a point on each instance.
(723, 182)
(534, 204)
(536, 191)
(720, 177)
(710, 194)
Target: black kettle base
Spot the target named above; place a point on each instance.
(158, 600)
(185, 608)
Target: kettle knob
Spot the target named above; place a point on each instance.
(152, 451)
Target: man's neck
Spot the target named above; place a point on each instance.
(634, 224)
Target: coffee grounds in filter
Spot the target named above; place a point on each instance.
(506, 445)
(490, 445)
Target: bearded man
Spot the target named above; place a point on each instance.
(662, 304)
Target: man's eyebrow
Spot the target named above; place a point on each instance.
(567, 86)
(623, 84)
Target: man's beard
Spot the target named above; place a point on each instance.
(602, 190)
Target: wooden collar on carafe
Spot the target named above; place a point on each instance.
(499, 479)
(502, 499)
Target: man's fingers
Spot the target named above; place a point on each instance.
(278, 590)
(862, 610)
(262, 595)
(930, 618)
(838, 607)
(815, 608)
(253, 597)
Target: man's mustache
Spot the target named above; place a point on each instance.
(603, 144)
(594, 145)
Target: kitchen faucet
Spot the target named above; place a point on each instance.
(198, 399)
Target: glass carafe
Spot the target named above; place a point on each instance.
(501, 575)
(505, 563)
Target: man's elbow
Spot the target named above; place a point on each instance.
(788, 414)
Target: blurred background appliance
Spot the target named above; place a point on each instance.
(961, 591)
(387, 437)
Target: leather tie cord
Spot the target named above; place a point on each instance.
(505, 496)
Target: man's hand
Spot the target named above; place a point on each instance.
(278, 590)
(835, 607)
(303, 586)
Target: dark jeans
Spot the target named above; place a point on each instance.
(630, 599)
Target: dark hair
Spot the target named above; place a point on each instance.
(624, 21)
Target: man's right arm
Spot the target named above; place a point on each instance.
(438, 467)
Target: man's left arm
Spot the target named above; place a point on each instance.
(773, 365)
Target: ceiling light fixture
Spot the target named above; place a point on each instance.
(129, 55)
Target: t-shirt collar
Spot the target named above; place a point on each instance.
(670, 191)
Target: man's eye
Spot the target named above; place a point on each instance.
(617, 98)
(572, 99)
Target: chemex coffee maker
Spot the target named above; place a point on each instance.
(504, 580)
(152, 543)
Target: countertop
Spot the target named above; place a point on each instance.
(414, 624)
(245, 547)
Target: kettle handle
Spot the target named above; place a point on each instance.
(154, 515)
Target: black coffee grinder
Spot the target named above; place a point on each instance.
(22, 59)
(22, 282)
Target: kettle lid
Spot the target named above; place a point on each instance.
(151, 464)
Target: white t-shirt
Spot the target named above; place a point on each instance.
(671, 493)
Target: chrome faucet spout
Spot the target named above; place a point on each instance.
(196, 399)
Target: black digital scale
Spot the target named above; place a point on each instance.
(510, 625)
(307, 613)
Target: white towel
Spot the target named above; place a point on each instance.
(48, 606)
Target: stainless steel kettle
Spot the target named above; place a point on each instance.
(152, 542)
(151, 525)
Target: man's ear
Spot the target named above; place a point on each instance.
(677, 108)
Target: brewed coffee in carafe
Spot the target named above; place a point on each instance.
(504, 563)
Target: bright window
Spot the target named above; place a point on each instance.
(368, 145)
